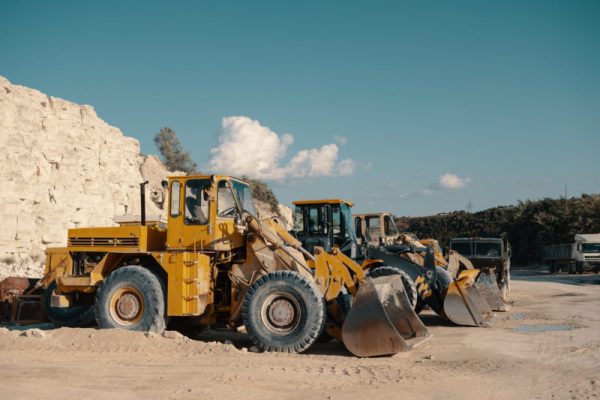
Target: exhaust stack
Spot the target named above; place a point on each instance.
(143, 202)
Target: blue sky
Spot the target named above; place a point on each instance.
(502, 96)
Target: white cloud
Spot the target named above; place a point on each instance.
(248, 148)
(451, 181)
(339, 139)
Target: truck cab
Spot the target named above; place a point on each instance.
(487, 253)
(587, 251)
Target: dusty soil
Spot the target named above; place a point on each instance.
(546, 347)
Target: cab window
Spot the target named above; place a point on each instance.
(314, 220)
(196, 201)
(337, 225)
(358, 226)
(226, 205)
(298, 220)
(175, 198)
(389, 226)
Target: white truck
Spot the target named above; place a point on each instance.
(581, 256)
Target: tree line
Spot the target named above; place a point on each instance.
(530, 225)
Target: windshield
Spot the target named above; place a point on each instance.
(487, 249)
(389, 226)
(226, 206)
(244, 196)
(590, 247)
(463, 248)
(298, 220)
(347, 216)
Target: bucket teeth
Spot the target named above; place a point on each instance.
(381, 320)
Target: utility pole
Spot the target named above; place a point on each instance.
(470, 206)
(566, 196)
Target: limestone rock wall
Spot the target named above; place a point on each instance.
(61, 166)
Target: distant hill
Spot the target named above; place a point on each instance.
(530, 225)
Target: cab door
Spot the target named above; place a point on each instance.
(226, 237)
(190, 214)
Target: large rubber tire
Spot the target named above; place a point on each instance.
(442, 282)
(283, 311)
(78, 315)
(409, 285)
(131, 298)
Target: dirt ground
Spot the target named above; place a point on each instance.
(546, 347)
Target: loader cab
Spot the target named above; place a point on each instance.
(376, 228)
(325, 223)
(205, 212)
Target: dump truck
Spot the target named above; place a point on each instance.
(329, 223)
(490, 254)
(214, 263)
(581, 256)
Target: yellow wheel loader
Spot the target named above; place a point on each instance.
(493, 279)
(455, 263)
(215, 264)
(329, 223)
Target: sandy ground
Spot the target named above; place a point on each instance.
(514, 359)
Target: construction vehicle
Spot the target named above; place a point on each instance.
(491, 255)
(215, 264)
(329, 223)
(380, 230)
(581, 256)
(455, 263)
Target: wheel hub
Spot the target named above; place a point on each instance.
(127, 306)
(281, 313)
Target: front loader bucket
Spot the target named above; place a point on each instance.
(463, 304)
(381, 320)
(487, 286)
(19, 304)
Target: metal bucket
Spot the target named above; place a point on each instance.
(381, 320)
(487, 285)
(463, 304)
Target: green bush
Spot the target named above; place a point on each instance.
(530, 225)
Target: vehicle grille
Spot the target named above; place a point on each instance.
(104, 241)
